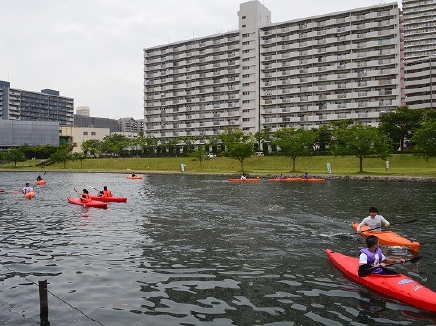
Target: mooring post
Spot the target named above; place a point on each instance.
(43, 303)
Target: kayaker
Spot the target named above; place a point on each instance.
(27, 188)
(306, 176)
(281, 176)
(105, 192)
(38, 178)
(133, 174)
(374, 221)
(372, 255)
(85, 196)
(243, 176)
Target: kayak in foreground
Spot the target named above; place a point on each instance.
(92, 203)
(136, 177)
(109, 198)
(244, 180)
(388, 238)
(29, 194)
(397, 286)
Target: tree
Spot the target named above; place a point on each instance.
(63, 154)
(15, 155)
(238, 145)
(361, 141)
(92, 147)
(263, 137)
(294, 142)
(79, 156)
(400, 125)
(199, 154)
(425, 139)
(114, 144)
(323, 139)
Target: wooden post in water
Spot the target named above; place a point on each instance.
(43, 303)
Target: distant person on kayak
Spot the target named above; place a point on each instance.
(306, 176)
(133, 174)
(243, 176)
(38, 178)
(85, 196)
(374, 221)
(27, 188)
(281, 176)
(372, 255)
(105, 192)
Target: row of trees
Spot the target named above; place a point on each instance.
(416, 127)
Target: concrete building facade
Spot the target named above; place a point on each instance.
(48, 105)
(78, 135)
(14, 133)
(302, 73)
(419, 28)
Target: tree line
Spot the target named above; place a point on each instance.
(404, 129)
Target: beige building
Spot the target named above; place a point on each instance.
(77, 135)
(302, 73)
(83, 110)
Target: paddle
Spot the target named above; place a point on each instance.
(80, 197)
(411, 221)
(365, 270)
(98, 191)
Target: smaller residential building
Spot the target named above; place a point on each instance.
(130, 125)
(48, 105)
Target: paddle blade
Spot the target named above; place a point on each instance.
(415, 259)
(365, 270)
(410, 221)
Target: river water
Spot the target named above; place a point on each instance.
(198, 250)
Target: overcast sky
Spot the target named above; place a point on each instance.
(92, 50)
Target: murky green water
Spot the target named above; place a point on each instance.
(197, 250)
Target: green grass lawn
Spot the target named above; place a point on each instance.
(399, 165)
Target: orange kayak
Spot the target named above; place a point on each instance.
(313, 179)
(29, 194)
(134, 177)
(244, 180)
(389, 238)
(40, 182)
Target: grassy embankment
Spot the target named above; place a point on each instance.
(399, 165)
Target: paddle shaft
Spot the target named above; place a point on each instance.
(367, 271)
(390, 224)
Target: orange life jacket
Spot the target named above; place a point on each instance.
(86, 198)
(107, 193)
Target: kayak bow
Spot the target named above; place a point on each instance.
(396, 286)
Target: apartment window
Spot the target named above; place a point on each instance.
(245, 51)
(245, 119)
(244, 17)
(246, 59)
(245, 93)
(245, 101)
(245, 35)
(245, 84)
(245, 43)
(244, 26)
(245, 67)
(85, 133)
(246, 111)
(93, 133)
(246, 76)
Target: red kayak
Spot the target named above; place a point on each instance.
(396, 286)
(109, 198)
(2, 190)
(92, 203)
(135, 177)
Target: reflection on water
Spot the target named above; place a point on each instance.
(197, 250)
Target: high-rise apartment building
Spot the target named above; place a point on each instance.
(419, 20)
(48, 105)
(419, 28)
(83, 111)
(302, 73)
